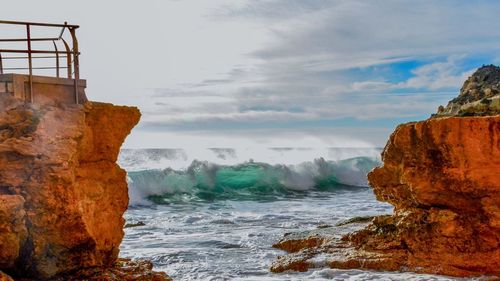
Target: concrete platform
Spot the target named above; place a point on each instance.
(46, 90)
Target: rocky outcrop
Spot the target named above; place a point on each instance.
(442, 177)
(122, 270)
(62, 195)
(479, 96)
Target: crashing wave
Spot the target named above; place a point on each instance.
(206, 181)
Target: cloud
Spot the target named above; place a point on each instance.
(370, 86)
(438, 75)
(279, 65)
(369, 30)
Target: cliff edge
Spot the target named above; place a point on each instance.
(62, 195)
(442, 177)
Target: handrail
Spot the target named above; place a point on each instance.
(24, 40)
(39, 57)
(30, 51)
(70, 53)
(26, 68)
(57, 58)
(38, 24)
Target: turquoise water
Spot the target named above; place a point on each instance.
(204, 181)
(218, 219)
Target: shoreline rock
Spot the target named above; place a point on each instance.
(123, 269)
(442, 176)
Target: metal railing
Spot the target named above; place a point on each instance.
(71, 54)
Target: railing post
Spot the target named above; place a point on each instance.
(68, 58)
(1, 64)
(57, 58)
(76, 61)
(28, 34)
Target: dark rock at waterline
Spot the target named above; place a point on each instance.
(356, 220)
(134, 224)
(121, 270)
(323, 226)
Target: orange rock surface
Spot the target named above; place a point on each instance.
(62, 195)
(443, 177)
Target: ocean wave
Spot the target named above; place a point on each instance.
(206, 181)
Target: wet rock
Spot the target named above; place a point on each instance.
(122, 270)
(356, 220)
(134, 224)
(323, 226)
(328, 248)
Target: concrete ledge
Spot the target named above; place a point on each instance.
(46, 90)
(42, 79)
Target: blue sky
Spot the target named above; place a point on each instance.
(223, 73)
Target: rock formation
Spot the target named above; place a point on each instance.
(62, 196)
(479, 96)
(442, 176)
(121, 270)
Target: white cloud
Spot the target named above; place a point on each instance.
(438, 75)
(370, 86)
(251, 61)
(248, 116)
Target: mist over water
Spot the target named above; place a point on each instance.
(177, 158)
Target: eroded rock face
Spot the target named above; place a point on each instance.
(12, 228)
(442, 176)
(62, 195)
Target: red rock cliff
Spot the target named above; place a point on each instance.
(443, 177)
(62, 196)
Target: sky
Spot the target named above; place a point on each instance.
(293, 73)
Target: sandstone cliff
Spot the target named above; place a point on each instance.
(62, 196)
(442, 176)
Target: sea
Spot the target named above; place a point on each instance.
(214, 213)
